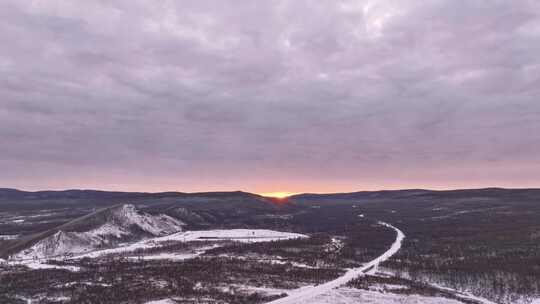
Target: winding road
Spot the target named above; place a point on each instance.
(303, 295)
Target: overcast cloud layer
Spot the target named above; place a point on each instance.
(269, 95)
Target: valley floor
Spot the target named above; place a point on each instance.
(327, 251)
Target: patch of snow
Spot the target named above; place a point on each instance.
(164, 301)
(108, 229)
(174, 256)
(296, 264)
(23, 298)
(39, 265)
(262, 290)
(156, 225)
(383, 287)
(268, 259)
(167, 256)
(85, 283)
(7, 237)
(61, 299)
(335, 245)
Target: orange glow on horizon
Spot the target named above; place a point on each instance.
(278, 194)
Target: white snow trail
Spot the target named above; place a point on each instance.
(304, 295)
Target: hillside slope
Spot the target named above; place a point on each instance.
(100, 229)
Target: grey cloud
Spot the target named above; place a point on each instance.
(197, 91)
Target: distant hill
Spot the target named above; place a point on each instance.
(498, 193)
(358, 195)
(7, 193)
(20, 200)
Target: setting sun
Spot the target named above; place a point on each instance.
(278, 194)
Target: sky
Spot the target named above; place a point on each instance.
(267, 96)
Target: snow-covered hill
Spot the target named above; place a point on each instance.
(115, 225)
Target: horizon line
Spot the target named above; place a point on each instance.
(268, 194)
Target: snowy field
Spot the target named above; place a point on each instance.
(217, 236)
(231, 235)
(237, 235)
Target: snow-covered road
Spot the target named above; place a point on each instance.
(305, 294)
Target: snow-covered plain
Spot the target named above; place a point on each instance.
(234, 235)
(237, 235)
